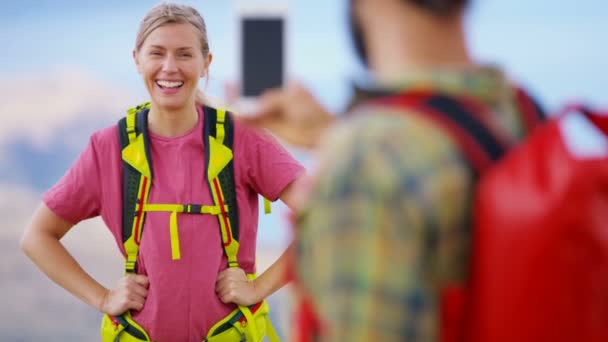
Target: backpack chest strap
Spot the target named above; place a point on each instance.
(196, 209)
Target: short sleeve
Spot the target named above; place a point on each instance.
(269, 167)
(76, 196)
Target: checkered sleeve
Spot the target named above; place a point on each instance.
(370, 241)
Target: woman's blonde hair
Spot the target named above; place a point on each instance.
(171, 13)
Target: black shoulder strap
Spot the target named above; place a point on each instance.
(480, 146)
(131, 177)
(226, 176)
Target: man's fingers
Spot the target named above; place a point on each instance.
(270, 104)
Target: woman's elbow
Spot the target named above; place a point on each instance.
(44, 227)
(26, 241)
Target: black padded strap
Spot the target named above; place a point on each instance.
(132, 330)
(130, 185)
(226, 176)
(457, 113)
(131, 177)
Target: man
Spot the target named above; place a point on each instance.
(386, 226)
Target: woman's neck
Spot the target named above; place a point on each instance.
(172, 123)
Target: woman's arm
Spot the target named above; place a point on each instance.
(41, 243)
(232, 284)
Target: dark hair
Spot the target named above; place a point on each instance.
(441, 7)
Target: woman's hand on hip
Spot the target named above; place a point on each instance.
(232, 286)
(130, 293)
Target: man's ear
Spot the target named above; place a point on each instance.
(136, 60)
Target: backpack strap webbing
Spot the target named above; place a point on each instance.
(137, 178)
(218, 135)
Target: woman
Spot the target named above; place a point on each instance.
(181, 286)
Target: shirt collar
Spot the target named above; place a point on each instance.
(487, 84)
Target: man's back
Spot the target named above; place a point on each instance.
(388, 221)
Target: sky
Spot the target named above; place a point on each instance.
(68, 64)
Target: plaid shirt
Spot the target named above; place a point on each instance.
(386, 225)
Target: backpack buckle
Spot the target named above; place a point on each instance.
(192, 208)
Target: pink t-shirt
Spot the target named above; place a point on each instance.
(182, 304)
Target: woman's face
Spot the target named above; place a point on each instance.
(171, 63)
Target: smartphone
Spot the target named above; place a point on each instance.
(261, 37)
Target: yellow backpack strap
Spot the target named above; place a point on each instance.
(137, 179)
(122, 328)
(174, 209)
(218, 136)
(267, 208)
(248, 323)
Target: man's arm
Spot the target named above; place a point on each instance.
(292, 114)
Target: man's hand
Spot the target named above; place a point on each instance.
(232, 286)
(130, 293)
(292, 113)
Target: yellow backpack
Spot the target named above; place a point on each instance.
(249, 323)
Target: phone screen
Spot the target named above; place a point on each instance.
(262, 54)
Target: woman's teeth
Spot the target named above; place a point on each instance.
(169, 84)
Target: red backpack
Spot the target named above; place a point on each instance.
(539, 264)
(540, 248)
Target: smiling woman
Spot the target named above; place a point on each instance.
(177, 184)
(171, 61)
(172, 55)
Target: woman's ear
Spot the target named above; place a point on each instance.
(136, 60)
(207, 64)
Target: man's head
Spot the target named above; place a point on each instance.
(362, 12)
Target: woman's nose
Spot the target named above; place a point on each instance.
(169, 64)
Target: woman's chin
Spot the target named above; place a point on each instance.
(165, 104)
